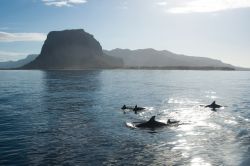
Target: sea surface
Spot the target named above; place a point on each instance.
(74, 118)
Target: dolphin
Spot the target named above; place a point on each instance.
(136, 109)
(124, 107)
(172, 122)
(152, 123)
(213, 105)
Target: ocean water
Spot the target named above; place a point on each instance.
(74, 118)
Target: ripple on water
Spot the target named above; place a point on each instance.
(74, 118)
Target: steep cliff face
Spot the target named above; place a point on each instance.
(72, 49)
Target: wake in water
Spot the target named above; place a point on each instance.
(69, 117)
(152, 123)
(197, 122)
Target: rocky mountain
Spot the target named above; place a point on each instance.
(72, 49)
(19, 63)
(150, 58)
(77, 49)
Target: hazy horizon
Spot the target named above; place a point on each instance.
(175, 92)
(214, 29)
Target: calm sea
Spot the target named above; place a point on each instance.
(74, 118)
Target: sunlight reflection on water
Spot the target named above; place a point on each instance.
(198, 122)
(199, 162)
(74, 118)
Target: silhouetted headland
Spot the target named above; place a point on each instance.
(77, 49)
(72, 49)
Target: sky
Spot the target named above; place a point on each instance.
(218, 29)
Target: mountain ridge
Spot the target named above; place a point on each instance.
(77, 49)
(148, 58)
(18, 63)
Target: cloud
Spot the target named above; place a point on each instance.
(206, 6)
(123, 5)
(13, 37)
(8, 56)
(161, 3)
(63, 3)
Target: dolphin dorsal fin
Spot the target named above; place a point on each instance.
(152, 119)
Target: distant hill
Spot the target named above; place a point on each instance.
(77, 49)
(153, 59)
(18, 63)
(72, 49)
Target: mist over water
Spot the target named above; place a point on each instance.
(74, 117)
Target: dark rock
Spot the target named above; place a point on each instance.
(72, 49)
